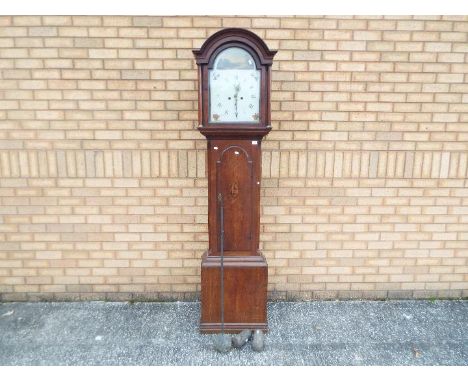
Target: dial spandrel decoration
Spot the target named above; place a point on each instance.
(234, 88)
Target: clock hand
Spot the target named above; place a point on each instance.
(237, 89)
(235, 105)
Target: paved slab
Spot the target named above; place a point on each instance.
(301, 333)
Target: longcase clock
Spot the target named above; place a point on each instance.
(234, 72)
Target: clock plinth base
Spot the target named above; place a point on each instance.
(245, 293)
(230, 327)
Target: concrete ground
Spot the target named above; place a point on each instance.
(301, 333)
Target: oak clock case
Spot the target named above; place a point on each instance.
(234, 68)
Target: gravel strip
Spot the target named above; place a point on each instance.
(301, 333)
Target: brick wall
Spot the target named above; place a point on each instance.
(103, 190)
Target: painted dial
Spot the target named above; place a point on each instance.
(234, 88)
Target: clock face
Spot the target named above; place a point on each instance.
(234, 88)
